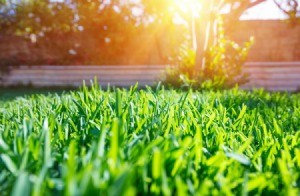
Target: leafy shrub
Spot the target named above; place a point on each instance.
(224, 63)
(182, 73)
(223, 67)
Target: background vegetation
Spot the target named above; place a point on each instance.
(101, 32)
(81, 32)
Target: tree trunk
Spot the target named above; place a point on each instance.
(205, 35)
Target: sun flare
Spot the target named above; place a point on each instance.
(188, 6)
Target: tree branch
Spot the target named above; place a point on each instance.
(245, 5)
(255, 3)
(281, 8)
(292, 7)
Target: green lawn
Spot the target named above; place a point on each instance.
(12, 93)
(126, 142)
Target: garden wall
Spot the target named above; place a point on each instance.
(274, 41)
(148, 48)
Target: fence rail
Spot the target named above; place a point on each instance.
(273, 76)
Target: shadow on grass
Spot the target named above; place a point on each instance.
(15, 92)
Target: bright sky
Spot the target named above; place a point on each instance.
(263, 11)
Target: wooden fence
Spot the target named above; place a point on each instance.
(273, 76)
(47, 76)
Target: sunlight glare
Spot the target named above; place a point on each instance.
(189, 6)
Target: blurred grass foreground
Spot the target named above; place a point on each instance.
(150, 142)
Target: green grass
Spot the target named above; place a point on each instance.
(14, 92)
(153, 142)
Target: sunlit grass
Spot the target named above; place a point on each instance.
(151, 141)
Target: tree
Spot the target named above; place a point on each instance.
(94, 32)
(291, 8)
(34, 16)
(211, 10)
(206, 24)
(202, 17)
(203, 24)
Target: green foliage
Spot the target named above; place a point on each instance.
(130, 142)
(225, 61)
(182, 71)
(95, 32)
(223, 69)
(35, 17)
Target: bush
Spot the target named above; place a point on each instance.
(223, 66)
(181, 73)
